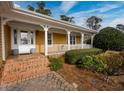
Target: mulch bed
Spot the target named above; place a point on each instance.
(91, 81)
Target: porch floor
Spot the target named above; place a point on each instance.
(24, 67)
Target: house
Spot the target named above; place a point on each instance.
(23, 32)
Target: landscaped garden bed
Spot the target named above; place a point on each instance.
(91, 69)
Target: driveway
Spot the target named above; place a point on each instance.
(49, 82)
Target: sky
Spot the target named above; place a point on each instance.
(111, 12)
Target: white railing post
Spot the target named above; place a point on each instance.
(68, 40)
(3, 22)
(92, 37)
(46, 28)
(82, 40)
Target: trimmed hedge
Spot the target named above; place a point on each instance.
(73, 56)
(55, 64)
(109, 38)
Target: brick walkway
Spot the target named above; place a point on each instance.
(24, 67)
(49, 82)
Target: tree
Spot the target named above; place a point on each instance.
(29, 7)
(109, 38)
(66, 18)
(41, 5)
(40, 8)
(47, 12)
(120, 27)
(93, 22)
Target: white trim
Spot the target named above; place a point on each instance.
(92, 37)
(18, 45)
(82, 39)
(46, 28)
(48, 18)
(14, 46)
(25, 48)
(74, 36)
(68, 40)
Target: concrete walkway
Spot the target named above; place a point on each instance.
(49, 82)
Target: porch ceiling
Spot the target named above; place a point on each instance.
(33, 27)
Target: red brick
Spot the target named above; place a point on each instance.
(24, 67)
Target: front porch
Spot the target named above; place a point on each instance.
(23, 38)
(62, 48)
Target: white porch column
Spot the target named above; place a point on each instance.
(46, 28)
(3, 39)
(68, 40)
(3, 22)
(82, 39)
(92, 37)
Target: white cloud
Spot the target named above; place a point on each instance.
(67, 5)
(81, 21)
(80, 17)
(102, 9)
(116, 21)
(106, 8)
(16, 5)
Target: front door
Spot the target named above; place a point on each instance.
(26, 41)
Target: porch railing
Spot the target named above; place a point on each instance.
(56, 48)
(77, 46)
(87, 46)
(59, 48)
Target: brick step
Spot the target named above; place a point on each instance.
(24, 67)
(23, 76)
(24, 63)
(27, 59)
(15, 70)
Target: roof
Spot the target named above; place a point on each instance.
(45, 17)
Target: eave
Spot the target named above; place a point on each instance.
(49, 20)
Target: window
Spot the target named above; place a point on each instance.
(32, 35)
(72, 39)
(15, 36)
(49, 39)
(24, 38)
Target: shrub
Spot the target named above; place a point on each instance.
(55, 64)
(107, 63)
(73, 56)
(113, 62)
(109, 39)
(91, 63)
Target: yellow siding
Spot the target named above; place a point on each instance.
(59, 38)
(39, 41)
(0, 44)
(7, 35)
(78, 39)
